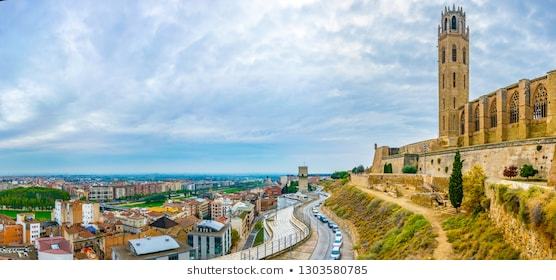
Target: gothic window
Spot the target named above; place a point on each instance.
(454, 24)
(464, 53)
(464, 79)
(443, 104)
(445, 24)
(476, 118)
(462, 123)
(443, 55)
(454, 53)
(493, 114)
(539, 106)
(454, 79)
(443, 123)
(514, 108)
(443, 81)
(454, 103)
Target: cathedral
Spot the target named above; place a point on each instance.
(513, 125)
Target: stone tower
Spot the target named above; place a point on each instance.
(303, 176)
(453, 72)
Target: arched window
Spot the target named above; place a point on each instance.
(464, 53)
(443, 104)
(454, 103)
(443, 83)
(445, 24)
(454, 79)
(493, 112)
(539, 105)
(476, 118)
(514, 108)
(443, 123)
(454, 53)
(462, 123)
(443, 55)
(454, 23)
(464, 79)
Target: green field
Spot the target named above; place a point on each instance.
(39, 215)
(142, 204)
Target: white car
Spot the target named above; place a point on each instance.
(337, 242)
(338, 235)
(335, 254)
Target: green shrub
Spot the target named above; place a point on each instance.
(527, 171)
(409, 169)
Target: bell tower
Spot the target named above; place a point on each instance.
(453, 72)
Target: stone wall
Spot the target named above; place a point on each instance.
(531, 243)
(492, 157)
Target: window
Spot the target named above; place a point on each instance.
(443, 104)
(443, 81)
(454, 23)
(443, 55)
(514, 108)
(454, 53)
(476, 118)
(454, 79)
(445, 24)
(464, 79)
(443, 123)
(493, 114)
(539, 105)
(173, 257)
(454, 103)
(464, 54)
(462, 123)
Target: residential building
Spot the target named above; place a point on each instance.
(210, 239)
(101, 193)
(220, 207)
(31, 227)
(53, 248)
(10, 232)
(243, 215)
(203, 208)
(76, 212)
(162, 247)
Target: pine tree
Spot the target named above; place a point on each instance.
(456, 183)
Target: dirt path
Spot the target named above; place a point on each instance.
(444, 249)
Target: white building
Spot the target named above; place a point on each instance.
(210, 239)
(31, 227)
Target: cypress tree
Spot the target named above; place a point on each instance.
(456, 183)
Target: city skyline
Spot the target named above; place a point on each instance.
(183, 87)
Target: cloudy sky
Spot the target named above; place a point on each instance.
(239, 86)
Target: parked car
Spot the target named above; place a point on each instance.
(338, 235)
(323, 219)
(335, 228)
(331, 224)
(336, 253)
(337, 242)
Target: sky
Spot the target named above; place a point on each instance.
(240, 86)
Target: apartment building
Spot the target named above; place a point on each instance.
(10, 232)
(31, 228)
(101, 193)
(210, 239)
(76, 212)
(162, 247)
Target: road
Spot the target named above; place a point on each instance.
(325, 234)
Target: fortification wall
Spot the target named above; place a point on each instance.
(492, 157)
(531, 243)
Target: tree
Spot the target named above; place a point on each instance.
(527, 171)
(235, 237)
(339, 175)
(456, 183)
(410, 169)
(474, 190)
(510, 171)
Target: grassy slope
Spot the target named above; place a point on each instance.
(386, 231)
(475, 237)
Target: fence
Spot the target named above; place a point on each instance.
(279, 244)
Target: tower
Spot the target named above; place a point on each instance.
(453, 72)
(303, 179)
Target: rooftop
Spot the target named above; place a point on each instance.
(54, 245)
(149, 245)
(214, 225)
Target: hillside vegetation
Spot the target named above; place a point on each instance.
(474, 237)
(385, 230)
(31, 198)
